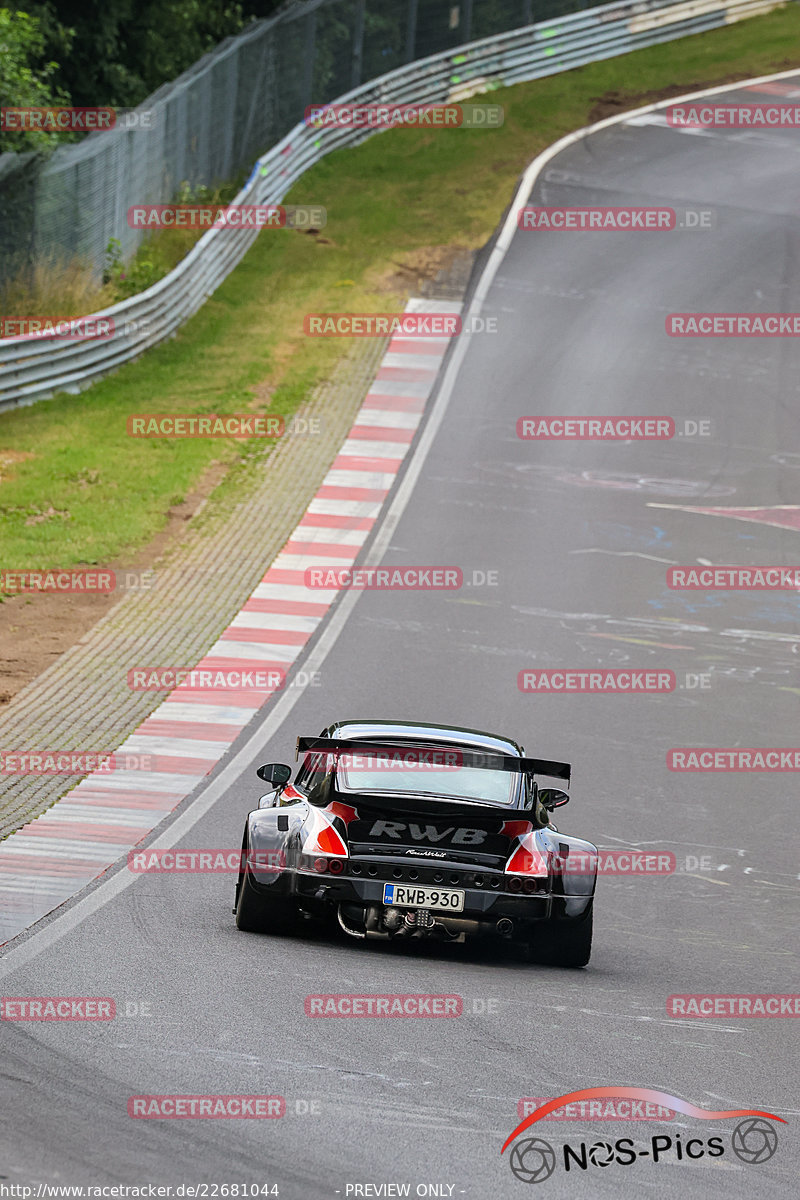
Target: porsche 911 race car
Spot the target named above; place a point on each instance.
(401, 830)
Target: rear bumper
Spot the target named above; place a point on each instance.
(317, 894)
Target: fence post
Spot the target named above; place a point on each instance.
(467, 25)
(411, 30)
(308, 66)
(358, 43)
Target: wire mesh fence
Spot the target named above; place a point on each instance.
(216, 119)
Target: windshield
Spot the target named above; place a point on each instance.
(410, 774)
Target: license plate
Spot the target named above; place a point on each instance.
(423, 897)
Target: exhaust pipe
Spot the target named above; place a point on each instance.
(353, 932)
(505, 927)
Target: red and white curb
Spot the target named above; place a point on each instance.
(50, 859)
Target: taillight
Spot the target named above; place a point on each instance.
(324, 838)
(330, 842)
(526, 859)
(521, 862)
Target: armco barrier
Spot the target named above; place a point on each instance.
(33, 369)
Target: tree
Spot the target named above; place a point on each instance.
(26, 81)
(123, 50)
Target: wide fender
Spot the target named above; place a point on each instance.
(571, 863)
(272, 838)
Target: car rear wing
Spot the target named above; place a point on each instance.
(448, 755)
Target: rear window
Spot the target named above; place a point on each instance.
(408, 773)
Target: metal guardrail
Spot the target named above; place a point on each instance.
(32, 369)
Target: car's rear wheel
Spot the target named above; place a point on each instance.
(563, 943)
(256, 913)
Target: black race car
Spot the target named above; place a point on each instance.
(418, 831)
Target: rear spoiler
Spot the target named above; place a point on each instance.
(489, 759)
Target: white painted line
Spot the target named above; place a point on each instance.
(235, 715)
(419, 389)
(102, 816)
(257, 652)
(299, 562)
(372, 448)
(430, 362)
(344, 478)
(267, 620)
(418, 304)
(330, 535)
(163, 744)
(296, 593)
(346, 508)
(57, 847)
(177, 784)
(390, 418)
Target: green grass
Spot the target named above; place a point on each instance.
(88, 493)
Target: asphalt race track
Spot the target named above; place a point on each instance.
(580, 535)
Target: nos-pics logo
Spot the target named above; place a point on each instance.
(533, 1160)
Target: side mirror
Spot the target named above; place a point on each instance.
(552, 798)
(277, 773)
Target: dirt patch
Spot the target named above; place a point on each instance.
(8, 458)
(611, 103)
(36, 628)
(408, 273)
